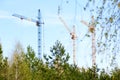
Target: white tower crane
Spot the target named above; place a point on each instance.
(38, 24)
(73, 37)
(92, 30)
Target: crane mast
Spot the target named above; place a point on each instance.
(39, 25)
(39, 35)
(92, 30)
(74, 44)
(73, 37)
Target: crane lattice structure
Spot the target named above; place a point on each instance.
(92, 30)
(39, 25)
(73, 37)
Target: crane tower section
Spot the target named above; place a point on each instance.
(39, 34)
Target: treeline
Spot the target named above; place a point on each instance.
(26, 66)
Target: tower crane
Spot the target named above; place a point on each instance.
(39, 25)
(73, 37)
(92, 30)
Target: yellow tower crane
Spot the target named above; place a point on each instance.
(91, 27)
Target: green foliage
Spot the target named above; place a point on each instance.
(119, 4)
(104, 76)
(26, 66)
(3, 66)
(59, 56)
(110, 19)
(58, 60)
(106, 35)
(19, 68)
(87, 35)
(1, 56)
(116, 74)
(35, 65)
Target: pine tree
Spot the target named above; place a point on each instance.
(57, 60)
(1, 63)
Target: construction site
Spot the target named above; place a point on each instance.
(84, 35)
